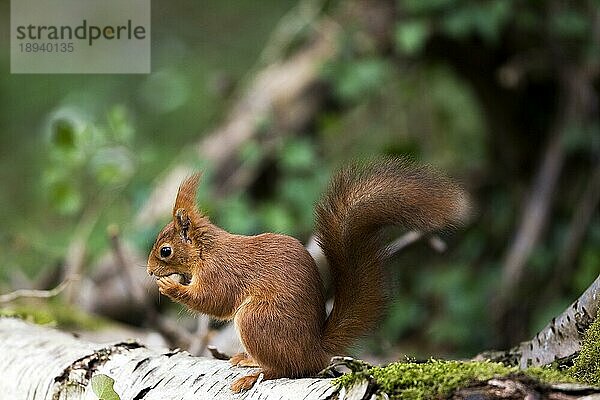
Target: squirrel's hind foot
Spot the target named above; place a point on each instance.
(243, 360)
(244, 383)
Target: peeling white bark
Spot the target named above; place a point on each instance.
(562, 337)
(38, 362)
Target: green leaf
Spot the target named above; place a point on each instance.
(410, 36)
(298, 154)
(485, 20)
(63, 134)
(65, 197)
(355, 79)
(66, 127)
(277, 218)
(112, 165)
(571, 24)
(165, 90)
(425, 6)
(120, 125)
(251, 153)
(102, 385)
(404, 314)
(236, 215)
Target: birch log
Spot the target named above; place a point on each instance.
(38, 362)
(560, 339)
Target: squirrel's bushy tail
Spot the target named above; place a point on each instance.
(362, 199)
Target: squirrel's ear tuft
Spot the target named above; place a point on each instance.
(186, 196)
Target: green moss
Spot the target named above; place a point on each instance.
(438, 378)
(35, 318)
(586, 366)
(550, 375)
(412, 380)
(56, 314)
(433, 378)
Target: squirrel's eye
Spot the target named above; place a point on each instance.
(165, 251)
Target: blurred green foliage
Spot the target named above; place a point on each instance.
(84, 155)
(54, 313)
(81, 147)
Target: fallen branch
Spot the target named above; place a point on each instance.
(434, 241)
(134, 290)
(560, 339)
(41, 294)
(43, 363)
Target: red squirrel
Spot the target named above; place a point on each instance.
(269, 285)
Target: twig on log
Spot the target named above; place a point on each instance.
(403, 241)
(134, 290)
(353, 364)
(75, 258)
(437, 244)
(217, 354)
(434, 241)
(8, 297)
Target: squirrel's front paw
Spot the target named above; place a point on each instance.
(170, 287)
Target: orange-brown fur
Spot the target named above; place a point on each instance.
(269, 284)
